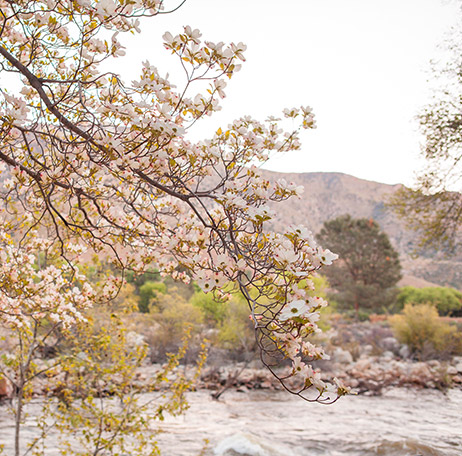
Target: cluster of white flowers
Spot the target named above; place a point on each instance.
(28, 294)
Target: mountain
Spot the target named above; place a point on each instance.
(328, 195)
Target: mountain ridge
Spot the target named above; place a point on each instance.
(328, 195)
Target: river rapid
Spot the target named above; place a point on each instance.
(399, 423)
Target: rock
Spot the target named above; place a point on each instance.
(363, 364)
(451, 370)
(6, 388)
(397, 369)
(255, 364)
(242, 389)
(341, 356)
(458, 367)
(353, 382)
(246, 376)
(421, 374)
(134, 340)
(404, 352)
(40, 386)
(388, 355)
(434, 364)
(41, 365)
(366, 350)
(390, 344)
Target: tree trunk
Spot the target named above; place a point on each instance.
(18, 417)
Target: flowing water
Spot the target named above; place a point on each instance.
(399, 423)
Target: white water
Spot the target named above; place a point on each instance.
(400, 423)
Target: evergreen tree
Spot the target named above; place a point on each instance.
(368, 267)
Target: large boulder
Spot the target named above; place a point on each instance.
(404, 352)
(458, 367)
(6, 388)
(390, 344)
(341, 356)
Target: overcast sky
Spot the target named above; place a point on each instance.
(361, 64)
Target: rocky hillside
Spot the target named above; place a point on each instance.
(328, 195)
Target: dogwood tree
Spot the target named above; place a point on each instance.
(35, 304)
(91, 159)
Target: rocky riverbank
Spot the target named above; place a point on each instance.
(364, 356)
(367, 375)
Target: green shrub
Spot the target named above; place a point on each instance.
(214, 311)
(236, 332)
(149, 294)
(166, 323)
(425, 333)
(448, 301)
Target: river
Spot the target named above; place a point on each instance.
(399, 423)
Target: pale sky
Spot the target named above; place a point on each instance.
(361, 64)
